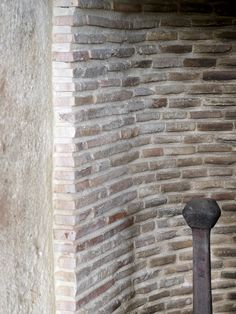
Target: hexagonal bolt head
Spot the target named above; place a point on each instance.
(201, 213)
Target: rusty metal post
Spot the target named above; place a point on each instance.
(201, 215)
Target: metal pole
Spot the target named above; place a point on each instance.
(201, 215)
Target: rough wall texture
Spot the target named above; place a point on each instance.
(25, 158)
(145, 100)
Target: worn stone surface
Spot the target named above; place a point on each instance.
(25, 158)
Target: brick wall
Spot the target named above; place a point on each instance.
(144, 98)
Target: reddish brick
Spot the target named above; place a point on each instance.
(152, 152)
(117, 217)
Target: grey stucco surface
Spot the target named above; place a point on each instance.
(26, 258)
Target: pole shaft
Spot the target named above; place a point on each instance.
(202, 298)
(201, 214)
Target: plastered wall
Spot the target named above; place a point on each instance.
(26, 265)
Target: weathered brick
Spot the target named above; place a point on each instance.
(167, 62)
(202, 88)
(147, 49)
(198, 138)
(175, 21)
(170, 282)
(116, 217)
(151, 128)
(130, 133)
(231, 35)
(189, 161)
(206, 114)
(94, 20)
(153, 77)
(124, 159)
(126, 7)
(118, 66)
(135, 37)
(193, 35)
(84, 100)
(180, 126)
(215, 126)
(147, 116)
(145, 23)
(89, 38)
(199, 62)
(221, 196)
(159, 102)
(230, 114)
(179, 303)
(89, 72)
(219, 75)
(138, 167)
(141, 64)
(94, 4)
(167, 174)
(120, 185)
(167, 138)
(175, 48)
(211, 21)
(229, 207)
(211, 48)
(130, 81)
(147, 289)
(170, 89)
(220, 160)
(184, 102)
(124, 52)
(175, 187)
(144, 241)
(115, 96)
(224, 252)
(162, 164)
(71, 56)
(147, 227)
(161, 35)
(150, 214)
(156, 308)
(143, 91)
(194, 173)
(179, 150)
(227, 61)
(135, 304)
(159, 295)
(214, 148)
(220, 171)
(219, 101)
(163, 260)
(206, 184)
(117, 123)
(183, 76)
(144, 178)
(152, 152)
